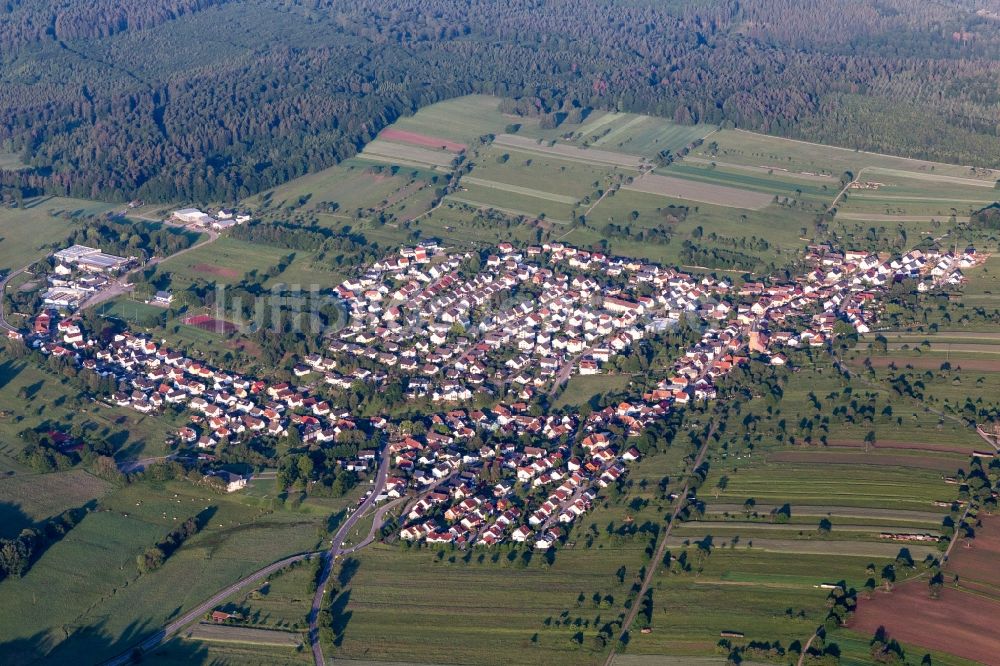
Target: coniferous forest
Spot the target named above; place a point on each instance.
(217, 99)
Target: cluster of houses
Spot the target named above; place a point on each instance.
(524, 319)
(80, 271)
(463, 508)
(221, 405)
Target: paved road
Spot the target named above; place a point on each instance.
(331, 555)
(120, 286)
(377, 524)
(661, 549)
(161, 636)
(3, 290)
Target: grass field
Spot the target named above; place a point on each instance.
(580, 389)
(225, 261)
(26, 233)
(52, 403)
(750, 148)
(61, 609)
(406, 154)
(462, 119)
(283, 602)
(243, 635)
(710, 193)
(30, 498)
(647, 135)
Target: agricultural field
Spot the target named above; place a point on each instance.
(761, 150)
(242, 635)
(643, 135)
(572, 153)
(27, 233)
(407, 154)
(959, 620)
(59, 609)
(681, 188)
(955, 373)
(226, 261)
(283, 602)
(30, 498)
(351, 185)
(462, 119)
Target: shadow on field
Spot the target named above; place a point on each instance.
(8, 371)
(348, 568)
(334, 521)
(341, 616)
(94, 645)
(13, 520)
(46, 533)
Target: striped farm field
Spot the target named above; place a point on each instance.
(940, 463)
(380, 148)
(585, 155)
(516, 189)
(852, 512)
(680, 188)
(425, 140)
(837, 485)
(648, 135)
(885, 549)
(236, 634)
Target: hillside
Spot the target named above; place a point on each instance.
(215, 100)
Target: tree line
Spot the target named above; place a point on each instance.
(118, 101)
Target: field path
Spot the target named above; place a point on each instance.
(661, 548)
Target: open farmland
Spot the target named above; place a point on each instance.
(959, 622)
(680, 188)
(815, 194)
(767, 596)
(381, 150)
(751, 148)
(838, 485)
(461, 119)
(648, 135)
(417, 139)
(517, 189)
(121, 607)
(568, 152)
(30, 498)
(351, 185)
(26, 232)
(243, 635)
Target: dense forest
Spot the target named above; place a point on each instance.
(216, 99)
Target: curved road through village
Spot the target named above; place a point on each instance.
(330, 557)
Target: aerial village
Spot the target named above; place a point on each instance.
(485, 338)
